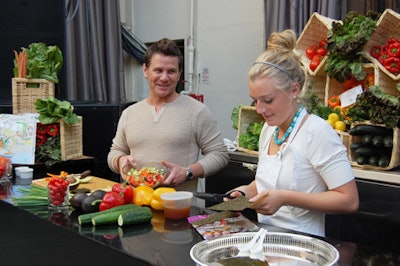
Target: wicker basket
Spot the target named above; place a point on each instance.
(395, 155)
(314, 31)
(26, 91)
(318, 85)
(388, 26)
(385, 82)
(333, 87)
(247, 115)
(71, 140)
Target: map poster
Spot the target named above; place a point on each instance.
(18, 138)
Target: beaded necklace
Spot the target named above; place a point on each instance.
(289, 130)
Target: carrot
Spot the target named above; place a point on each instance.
(22, 60)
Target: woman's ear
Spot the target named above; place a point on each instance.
(295, 90)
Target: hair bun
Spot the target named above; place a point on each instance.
(282, 42)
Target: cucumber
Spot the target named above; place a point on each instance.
(370, 129)
(141, 215)
(110, 217)
(87, 218)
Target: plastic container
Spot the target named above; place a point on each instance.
(177, 204)
(24, 175)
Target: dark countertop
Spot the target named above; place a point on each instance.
(40, 237)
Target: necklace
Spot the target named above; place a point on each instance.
(288, 131)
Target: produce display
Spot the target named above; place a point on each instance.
(372, 145)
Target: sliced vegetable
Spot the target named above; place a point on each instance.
(112, 217)
(87, 217)
(141, 215)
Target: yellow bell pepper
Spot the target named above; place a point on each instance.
(156, 202)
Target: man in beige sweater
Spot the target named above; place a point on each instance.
(175, 129)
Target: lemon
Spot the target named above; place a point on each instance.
(330, 122)
(334, 117)
(340, 125)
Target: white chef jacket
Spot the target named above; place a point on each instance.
(313, 160)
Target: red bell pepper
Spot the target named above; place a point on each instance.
(392, 40)
(53, 129)
(41, 129)
(111, 199)
(376, 51)
(392, 64)
(394, 49)
(125, 190)
(40, 139)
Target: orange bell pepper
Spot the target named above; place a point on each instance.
(334, 101)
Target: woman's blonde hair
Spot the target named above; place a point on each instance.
(279, 61)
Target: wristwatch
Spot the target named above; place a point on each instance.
(189, 174)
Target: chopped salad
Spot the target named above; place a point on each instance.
(145, 176)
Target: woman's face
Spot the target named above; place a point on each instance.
(273, 104)
(162, 75)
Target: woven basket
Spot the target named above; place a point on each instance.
(345, 137)
(333, 87)
(388, 26)
(385, 82)
(314, 31)
(26, 91)
(395, 155)
(71, 140)
(318, 85)
(247, 115)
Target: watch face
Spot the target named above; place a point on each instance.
(189, 174)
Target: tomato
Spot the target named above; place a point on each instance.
(369, 81)
(310, 52)
(350, 83)
(314, 64)
(322, 51)
(323, 43)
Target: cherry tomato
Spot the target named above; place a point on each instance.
(323, 43)
(314, 64)
(310, 52)
(322, 51)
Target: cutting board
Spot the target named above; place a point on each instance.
(94, 184)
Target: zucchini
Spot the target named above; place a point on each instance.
(362, 160)
(370, 129)
(377, 141)
(141, 215)
(355, 145)
(388, 142)
(87, 218)
(373, 160)
(366, 151)
(384, 161)
(366, 139)
(111, 217)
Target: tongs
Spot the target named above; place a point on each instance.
(215, 197)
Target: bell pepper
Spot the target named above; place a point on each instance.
(333, 101)
(376, 51)
(394, 49)
(40, 139)
(392, 64)
(41, 129)
(53, 129)
(111, 199)
(384, 55)
(125, 190)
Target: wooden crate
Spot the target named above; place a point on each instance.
(247, 115)
(71, 141)
(395, 154)
(388, 26)
(314, 31)
(26, 91)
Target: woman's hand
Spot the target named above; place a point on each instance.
(267, 202)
